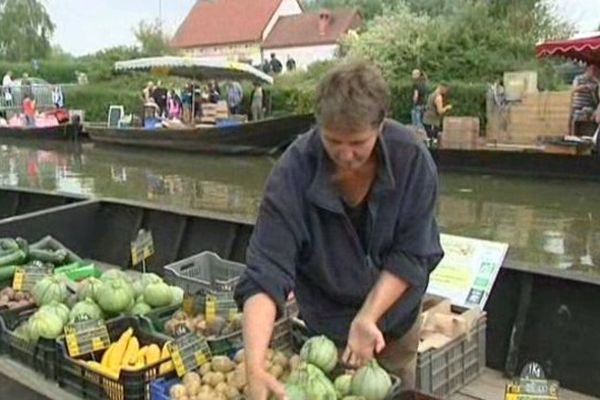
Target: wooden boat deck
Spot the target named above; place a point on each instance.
(491, 384)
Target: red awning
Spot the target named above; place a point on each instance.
(582, 49)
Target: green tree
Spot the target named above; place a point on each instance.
(25, 30)
(152, 38)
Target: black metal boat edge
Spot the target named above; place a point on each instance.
(263, 137)
(15, 201)
(532, 315)
(60, 132)
(527, 164)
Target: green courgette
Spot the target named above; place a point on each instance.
(57, 257)
(23, 245)
(8, 244)
(15, 258)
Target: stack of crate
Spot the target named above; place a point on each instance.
(211, 113)
(460, 133)
(544, 114)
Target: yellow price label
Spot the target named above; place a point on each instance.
(98, 344)
(178, 363)
(18, 278)
(201, 358)
(72, 344)
(210, 308)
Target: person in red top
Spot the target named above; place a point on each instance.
(29, 111)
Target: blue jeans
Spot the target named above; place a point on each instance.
(416, 116)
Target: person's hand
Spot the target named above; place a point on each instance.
(364, 341)
(262, 384)
(449, 107)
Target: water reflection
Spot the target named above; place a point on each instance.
(548, 223)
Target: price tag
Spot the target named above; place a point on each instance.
(224, 307)
(188, 352)
(142, 247)
(84, 337)
(532, 385)
(27, 276)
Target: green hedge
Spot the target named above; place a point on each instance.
(95, 100)
(467, 99)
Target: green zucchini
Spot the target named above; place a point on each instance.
(23, 245)
(57, 257)
(15, 258)
(8, 244)
(7, 272)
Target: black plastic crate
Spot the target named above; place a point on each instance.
(229, 344)
(77, 377)
(41, 356)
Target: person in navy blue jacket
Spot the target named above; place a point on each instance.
(348, 225)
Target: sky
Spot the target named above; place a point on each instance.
(86, 26)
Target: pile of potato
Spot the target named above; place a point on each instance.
(215, 327)
(14, 299)
(225, 379)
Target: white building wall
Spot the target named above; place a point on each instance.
(237, 52)
(287, 7)
(304, 56)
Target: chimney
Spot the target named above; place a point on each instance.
(324, 21)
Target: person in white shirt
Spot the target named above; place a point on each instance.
(6, 91)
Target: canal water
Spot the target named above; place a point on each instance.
(549, 223)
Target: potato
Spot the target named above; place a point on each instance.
(276, 370)
(177, 391)
(280, 359)
(4, 299)
(191, 377)
(205, 396)
(18, 296)
(231, 393)
(193, 389)
(219, 396)
(222, 364)
(204, 369)
(294, 361)
(205, 389)
(237, 379)
(215, 326)
(213, 378)
(221, 387)
(239, 356)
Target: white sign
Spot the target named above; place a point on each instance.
(468, 270)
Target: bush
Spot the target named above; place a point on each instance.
(96, 99)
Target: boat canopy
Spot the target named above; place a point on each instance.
(581, 48)
(195, 68)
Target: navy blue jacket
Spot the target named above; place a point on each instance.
(304, 242)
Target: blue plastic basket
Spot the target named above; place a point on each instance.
(159, 389)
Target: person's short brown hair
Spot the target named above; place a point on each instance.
(351, 97)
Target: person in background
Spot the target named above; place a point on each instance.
(186, 101)
(213, 93)
(29, 109)
(58, 97)
(159, 95)
(584, 99)
(290, 64)
(435, 110)
(174, 105)
(256, 106)
(7, 82)
(419, 94)
(147, 91)
(235, 96)
(276, 65)
(266, 67)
